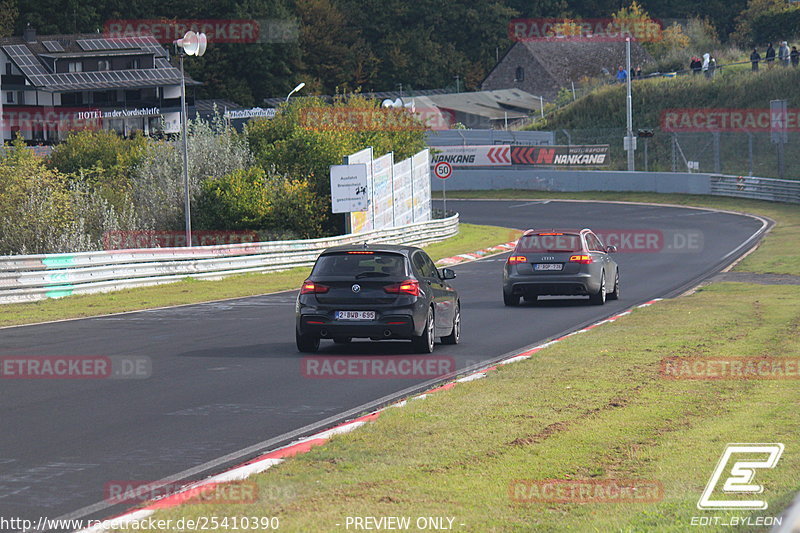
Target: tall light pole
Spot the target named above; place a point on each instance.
(299, 86)
(631, 140)
(192, 44)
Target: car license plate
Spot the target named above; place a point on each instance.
(355, 315)
(548, 266)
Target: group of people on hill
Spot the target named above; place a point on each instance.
(622, 74)
(785, 56)
(707, 65)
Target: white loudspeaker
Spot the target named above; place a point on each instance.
(194, 44)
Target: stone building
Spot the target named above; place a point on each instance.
(541, 68)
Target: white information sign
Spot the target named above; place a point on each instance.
(349, 188)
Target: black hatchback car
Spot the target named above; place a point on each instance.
(560, 262)
(377, 292)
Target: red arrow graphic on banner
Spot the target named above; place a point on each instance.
(529, 154)
(523, 155)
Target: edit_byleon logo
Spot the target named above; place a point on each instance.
(737, 467)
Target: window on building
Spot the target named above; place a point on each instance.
(104, 97)
(520, 74)
(133, 95)
(9, 97)
(8, 69)
(133, 64)
(104, 64)
(71, 98)
(75, 66)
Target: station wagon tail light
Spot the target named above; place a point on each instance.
(361, 253)
(309, 287)
(409, 286)
(550, 234)
(582, 259)
(517, 259)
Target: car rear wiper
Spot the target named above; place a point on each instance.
(370, 274)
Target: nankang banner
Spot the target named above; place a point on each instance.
(594, 155)
(472, 155)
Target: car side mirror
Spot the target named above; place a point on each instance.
(611, 249)
(447, 273)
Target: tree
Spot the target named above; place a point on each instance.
(158, 184)
(755, 9)
(8, 17)
(308, 136)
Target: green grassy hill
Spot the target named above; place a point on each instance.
(599, 118)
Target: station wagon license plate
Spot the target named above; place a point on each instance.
(355, 315)
(548, 266)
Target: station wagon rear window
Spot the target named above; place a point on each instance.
(552, 242)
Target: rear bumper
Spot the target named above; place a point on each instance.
(387, 327)
(573, 284)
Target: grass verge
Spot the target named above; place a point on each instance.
(594, 406)
(591, 407)
(471, 237)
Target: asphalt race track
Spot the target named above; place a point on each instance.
(226, 379)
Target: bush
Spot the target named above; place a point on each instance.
(158, 184)
(87, 149)
(34, 202)
(101, 159)
(254, 200)
(292, 145)
(44, 211)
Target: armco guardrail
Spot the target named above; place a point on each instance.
(772, 189)
(36, 277)
(544, 179)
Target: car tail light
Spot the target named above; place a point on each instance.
(309, 287)
(582, 259)
(361, 253)
(409, 286)
(517, 259)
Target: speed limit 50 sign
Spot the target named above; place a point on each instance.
(443, 169)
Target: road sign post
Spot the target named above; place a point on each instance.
(443, 170)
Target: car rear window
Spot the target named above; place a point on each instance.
(350, 264)
(550, 242)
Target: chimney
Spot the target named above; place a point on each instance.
(29, 34)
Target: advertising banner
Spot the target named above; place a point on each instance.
(561, 155)
(382, 194)
(403, 197)
(473, 156)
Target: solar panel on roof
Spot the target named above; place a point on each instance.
(53, 46)
(25, 60)
(91, 45)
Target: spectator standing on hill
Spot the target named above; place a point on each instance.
(695, 65)
(639, 72)
(755, 57)
(794, 55)
(770, 55)
(706, 62)
(783, 54)
(622, 74)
